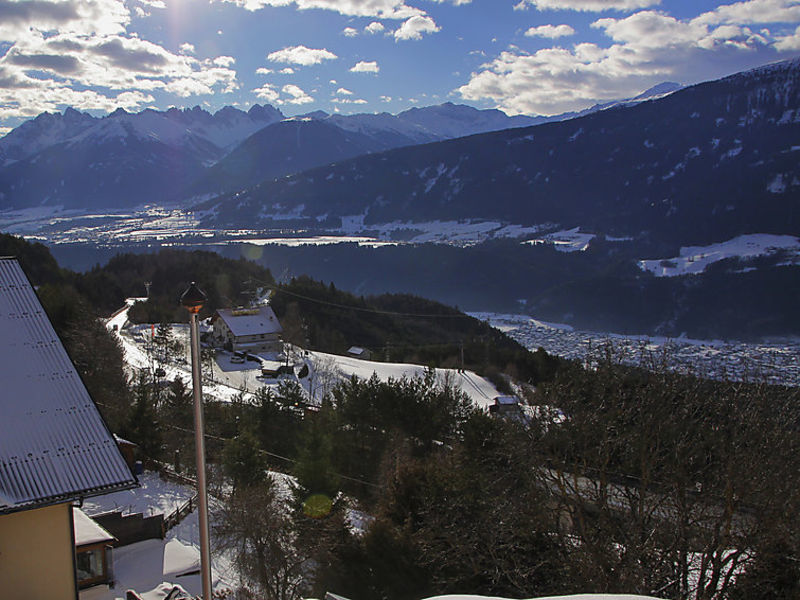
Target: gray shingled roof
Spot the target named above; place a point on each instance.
(54, 446)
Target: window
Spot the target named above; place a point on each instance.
(91, 567)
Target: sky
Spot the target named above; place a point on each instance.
(351, 56)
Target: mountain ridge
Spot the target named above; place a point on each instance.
(694, 166)
(198, 139)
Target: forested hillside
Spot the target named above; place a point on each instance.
(618, 479)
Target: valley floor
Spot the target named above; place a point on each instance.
(777, 363)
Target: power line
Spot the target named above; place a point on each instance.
(272, 455)
(262, 451)
(368, 310)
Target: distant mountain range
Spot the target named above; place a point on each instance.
(627, 185)
(702, 164)
(126, 159)
(76, 160)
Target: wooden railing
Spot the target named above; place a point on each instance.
(180, 513)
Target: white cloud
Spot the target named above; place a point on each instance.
(386, 98)
(52, 97)
(344, 92)
(349, 32)
(754, 11)
(224, 61)
(789, 43)
(587, 5)
(296, 95)
(267, 92)
(348, 101)
(25, 20)
(374, 27)
(263, 71)
(364, 66)
(647, 47)
(650, 29)
(300, 55)
(383, 9)
(415, 27)
(287, 71)
(80, 53)
(99, 70)
(550, 31)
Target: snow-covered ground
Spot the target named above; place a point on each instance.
(145, 566)
(171, 225)
(229, 379)
(567, 240)
(332, 369)
(154, 496)
(696, 259)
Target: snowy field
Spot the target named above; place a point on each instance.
(567, 240)
(696, 259)
(777, 363)
(174, 225)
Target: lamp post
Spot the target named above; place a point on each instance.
(192, 300)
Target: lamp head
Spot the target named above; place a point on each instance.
(193, 299)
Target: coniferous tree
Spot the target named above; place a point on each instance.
(142, 426)
(244, 462)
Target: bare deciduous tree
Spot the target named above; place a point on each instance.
(254, 525)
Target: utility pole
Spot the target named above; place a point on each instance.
(192, 300)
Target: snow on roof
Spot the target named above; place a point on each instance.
(54, 446)
(180, 559)
(87, 531)
(250, 321)
(146, 567)
(508, 400)
(123, 442)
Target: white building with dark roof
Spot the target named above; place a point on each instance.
(247, 329)
(54, 448)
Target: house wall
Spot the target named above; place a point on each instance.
(33, 543)
(270, 342)
(220, 333)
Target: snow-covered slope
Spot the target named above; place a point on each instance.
(480, 390)
(696, 259)
(701, 164)
(37, 134)
(450, 120)
(384, 125)
(124, 159)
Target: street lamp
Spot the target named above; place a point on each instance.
(192, 300)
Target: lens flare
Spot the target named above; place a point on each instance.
(317, 506)
(252, 252)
